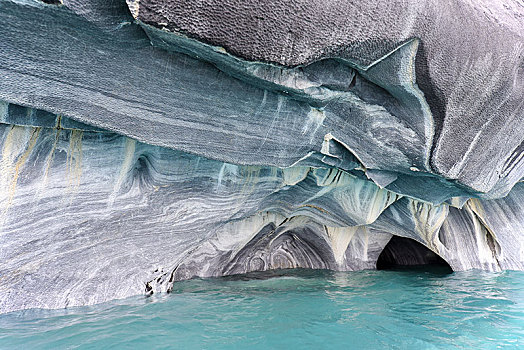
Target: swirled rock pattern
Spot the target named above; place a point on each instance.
(148, 142)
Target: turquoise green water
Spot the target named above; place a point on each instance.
(294, 310)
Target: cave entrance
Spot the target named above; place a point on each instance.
(406, 253)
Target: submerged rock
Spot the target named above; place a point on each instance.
(147, 143)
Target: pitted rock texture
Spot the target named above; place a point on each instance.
(135, 154)
(470, 65)
(100, 69)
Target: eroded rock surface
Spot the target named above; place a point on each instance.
(146, 143)
(469, 64)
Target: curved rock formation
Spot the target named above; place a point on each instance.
(154, 141)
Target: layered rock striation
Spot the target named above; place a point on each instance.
(148, 142)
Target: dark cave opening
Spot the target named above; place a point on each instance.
(406, 253)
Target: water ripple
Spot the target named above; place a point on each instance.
(300, 309)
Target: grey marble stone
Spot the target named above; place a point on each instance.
(146, 143)
(468, 65)
(91, 216)
(100, 69)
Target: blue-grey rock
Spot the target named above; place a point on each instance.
(469, 63)
(148, 142)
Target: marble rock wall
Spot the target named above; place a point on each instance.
(89, 215)
(141, 145)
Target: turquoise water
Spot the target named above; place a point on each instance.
(294, 310)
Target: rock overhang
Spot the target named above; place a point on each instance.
(464, 88)
(213, 171)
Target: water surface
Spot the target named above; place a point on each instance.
(404, 309)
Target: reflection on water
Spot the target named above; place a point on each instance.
(402, 309)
